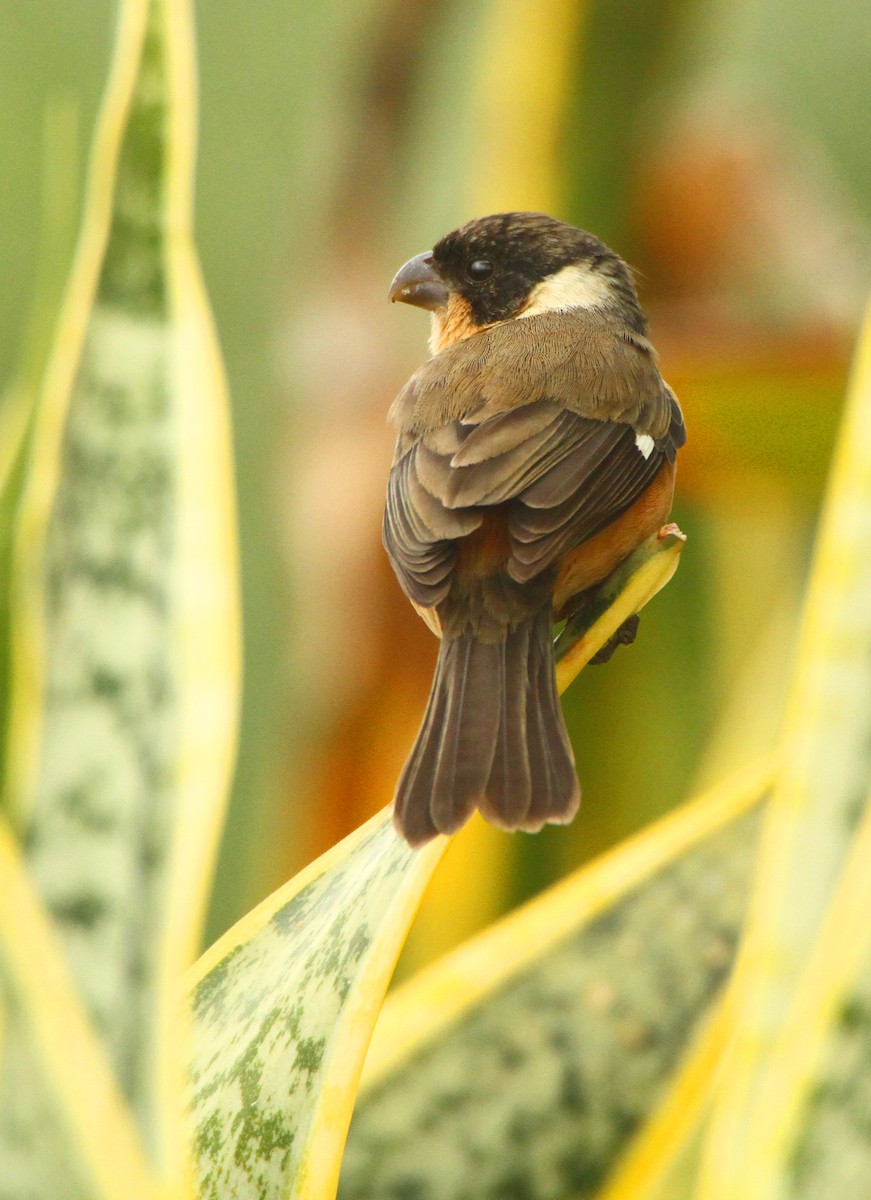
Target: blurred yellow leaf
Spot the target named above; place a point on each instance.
(819, 797)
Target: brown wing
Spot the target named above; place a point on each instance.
(562, 476)
(606, 471)
(420, 534)
(542, 415)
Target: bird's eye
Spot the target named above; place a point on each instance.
(479, 268)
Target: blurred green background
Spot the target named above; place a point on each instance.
(724, 149)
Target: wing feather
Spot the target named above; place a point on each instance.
(562, 476)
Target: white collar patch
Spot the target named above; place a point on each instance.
(575, 286)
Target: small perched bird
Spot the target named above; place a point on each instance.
(535, 452)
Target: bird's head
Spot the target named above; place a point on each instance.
(512, 265)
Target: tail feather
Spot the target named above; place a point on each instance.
(510, 787)
(557, 794)
(448, 768)
(412, 817)
(492, 737)
(468, 735)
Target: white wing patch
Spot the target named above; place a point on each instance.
(573, 287)
(644, 442)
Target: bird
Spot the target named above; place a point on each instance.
(535, 450)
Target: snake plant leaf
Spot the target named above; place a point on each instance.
(284, 1004)
(124, 612)
(523, 1063)
(56, 1069)
(819, 798)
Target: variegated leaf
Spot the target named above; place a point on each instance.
(124, 613)
(524, 1063)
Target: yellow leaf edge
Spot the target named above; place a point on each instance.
(435, 998)
(70, 1053)
(625, 593)
(208, 633)
(208, 625)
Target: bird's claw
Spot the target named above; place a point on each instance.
(624, 636)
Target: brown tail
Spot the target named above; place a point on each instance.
(493, 737)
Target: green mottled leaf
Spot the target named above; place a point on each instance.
(283, 1006)
(123, 613)
(523, 1064)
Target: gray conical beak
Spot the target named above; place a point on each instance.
(419, 283)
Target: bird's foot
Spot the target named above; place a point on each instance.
(624, 636)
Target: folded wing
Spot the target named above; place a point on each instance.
(561, 478)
